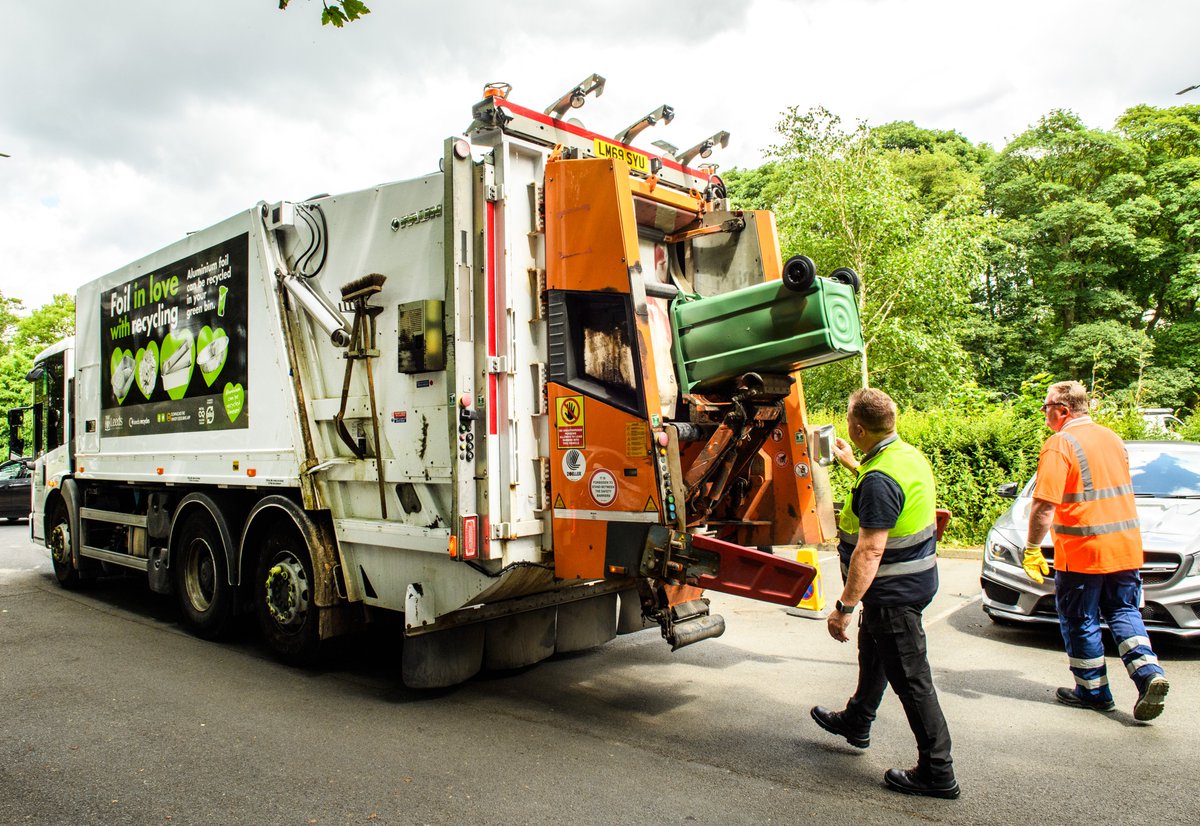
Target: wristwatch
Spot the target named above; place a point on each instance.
(843, 608)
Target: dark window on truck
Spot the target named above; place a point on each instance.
(48, 396)
(593, 347)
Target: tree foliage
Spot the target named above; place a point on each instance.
(23, 337)
(337, 13)
(839, 198)
(1095, 261)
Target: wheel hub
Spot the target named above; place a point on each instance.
(287, 592)
(60, 543)
(200, 578)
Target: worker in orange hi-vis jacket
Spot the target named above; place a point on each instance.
(1084, 496)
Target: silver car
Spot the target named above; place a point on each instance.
(1166, 481)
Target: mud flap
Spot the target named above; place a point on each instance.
(586, 624)
(518, 640)
(442, 658)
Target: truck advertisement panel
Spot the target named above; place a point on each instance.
(174, 346)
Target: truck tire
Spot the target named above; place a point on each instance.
(206, 598)
(283, 599)
(58, 539)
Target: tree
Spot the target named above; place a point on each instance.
(25, 337)
(1171, 139)
(838, 199)
(942, 166)
(337, 13)
(1080, 243)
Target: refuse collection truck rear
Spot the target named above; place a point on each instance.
(545, 394)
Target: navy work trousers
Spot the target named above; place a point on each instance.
(891, 651)
(1083, 599)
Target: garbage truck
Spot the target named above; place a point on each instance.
(545, 394)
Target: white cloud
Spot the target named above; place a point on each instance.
(131, 124)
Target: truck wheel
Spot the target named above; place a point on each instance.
(205, 596)
(283, 599)
(59, 541)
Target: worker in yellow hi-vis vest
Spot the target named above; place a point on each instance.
(888, 550)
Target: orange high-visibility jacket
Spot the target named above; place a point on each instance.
(1084, 470)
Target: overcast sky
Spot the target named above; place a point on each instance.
(132, 122)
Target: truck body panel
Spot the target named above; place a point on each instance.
(499, 394)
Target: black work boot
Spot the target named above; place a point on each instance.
(836, 722)
(909, 781)
(1151, 698)
(1071, 697)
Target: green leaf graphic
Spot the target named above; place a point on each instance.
(234, 396)
(212, 348)
(122, 371)
(146, 363)
(176, 362)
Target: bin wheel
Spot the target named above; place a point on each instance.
(799, 273)
(845, 275)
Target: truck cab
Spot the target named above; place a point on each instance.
(52, 443)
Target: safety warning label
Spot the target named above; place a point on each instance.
(603, 487)
(569, 421)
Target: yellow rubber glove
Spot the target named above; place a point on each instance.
(1035, 564)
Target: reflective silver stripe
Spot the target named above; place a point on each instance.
(914, 566)
(909, 541)
(1096, 530)
(1102, 493)
(1130, 643)
(1085, 472)
(1090, 662)
(845, 571)
(1134, 665)
(1099, 682)
(912, 539)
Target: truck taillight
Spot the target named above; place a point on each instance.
(470, 537)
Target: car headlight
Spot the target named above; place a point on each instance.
(997, 550)
(1194, 569)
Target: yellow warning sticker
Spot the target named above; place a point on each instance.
(650, 506)
(569, 421)
(635, 439)
(636, 160)
(559, 503)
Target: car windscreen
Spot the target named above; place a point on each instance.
(1171, 470)
(1164, 471)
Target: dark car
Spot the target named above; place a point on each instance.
(15, 479)
(1166, 483)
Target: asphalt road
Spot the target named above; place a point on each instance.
(109, 713)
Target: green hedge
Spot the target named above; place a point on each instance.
(976, 447)
(972, 452)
